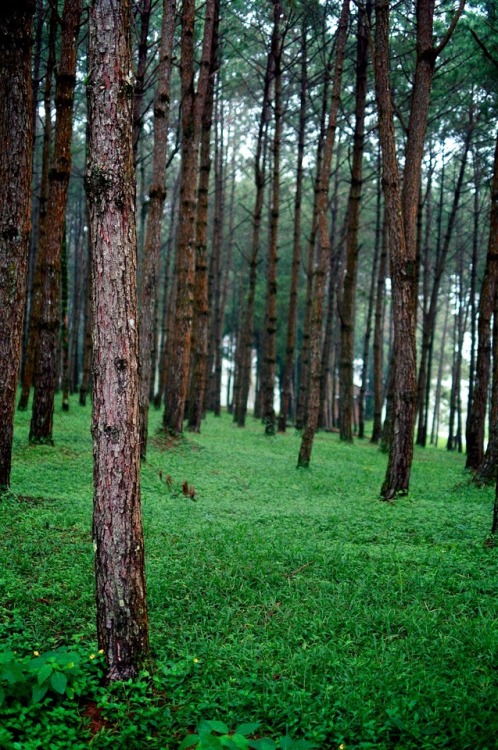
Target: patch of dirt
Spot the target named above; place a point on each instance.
(96, 721)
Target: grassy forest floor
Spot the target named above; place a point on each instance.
(294, 599)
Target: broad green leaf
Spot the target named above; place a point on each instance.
(39, 692)
(247, 729)
(239, 742)
(191, 740)
(265, 743)
(44, 673)
(218, 726)
(58, 681)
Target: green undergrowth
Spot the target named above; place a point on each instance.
(293, 599)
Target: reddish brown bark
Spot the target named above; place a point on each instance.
(157, 197)
(477, 416)
(270, 341)
(16, 137)
(122, 626)
(243, 357)
(36, 286)
(192, 108)
(402, 274)
(402, 206)
(296, 243)
(320, 275)
(347, 306)
(201, 296)
(45, 371)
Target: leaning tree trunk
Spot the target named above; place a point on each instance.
(320, 275)
(45, 371)
(122, 626)
(477, 416)
(157, 197)
(16, 137)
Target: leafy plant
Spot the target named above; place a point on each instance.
(59, 672)
(215, 735)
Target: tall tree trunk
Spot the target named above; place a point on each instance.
(192, 108)
(270, 341)
(402, 208)
(488, 468)
(439, 380)
(36, 286)
(157, 197)
(347, 306)
(378, 342)
(45, 372)
(201, 297)
(64, 325)
(477, 416)
(87, 333)
(122, 625)
(473, 277)
(296, 239)
(429, 319)
(143, 11)
(374, 281)
(320, 274)
(246, 334)
(16, 137)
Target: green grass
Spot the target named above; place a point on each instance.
(293, 598)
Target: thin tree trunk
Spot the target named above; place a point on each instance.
(439, 381)
(45, 371)
(348, 300)
(320, 275)
(296, 243)
(429, 319)
(378, 342)
(477, 416)
(192, 108)
(64, 325)
(122, 626)
(157, 197)
(270, 341)
(36, 287)
(16, 137)
(144, 10)
(200, 336)
(246, 335)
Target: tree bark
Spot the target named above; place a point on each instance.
(45, 371)
(122, 626)
(246, 335)
(296, 239)
(192, 108)
(36, 286)
(347, 306)
(201, 297)
(16, 137)
(324, 249)
(270, 341)
(157, 197)
(477, 416)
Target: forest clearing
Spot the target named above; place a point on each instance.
(258, 241)
(291, 598)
